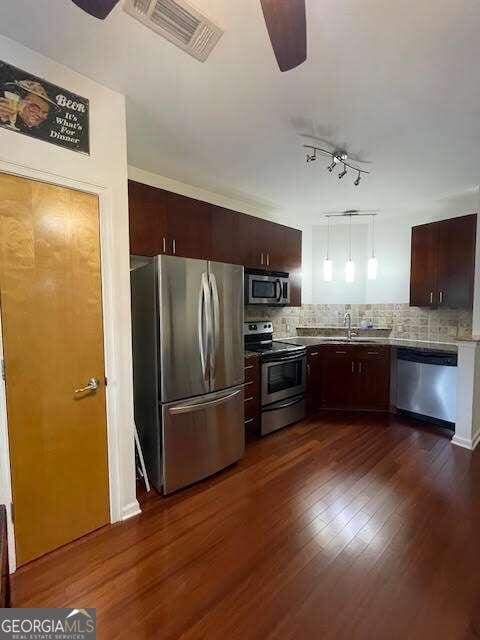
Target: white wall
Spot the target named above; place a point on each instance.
(104, 171)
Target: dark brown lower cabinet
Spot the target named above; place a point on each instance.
(354, 377)
(252, 395)
(314, 379)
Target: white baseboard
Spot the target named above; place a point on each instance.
(130, 510)
(467, 443)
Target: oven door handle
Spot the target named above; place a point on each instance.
(279, 359)
(284, 405)
(278, 284)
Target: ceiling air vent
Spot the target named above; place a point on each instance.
(178, 22)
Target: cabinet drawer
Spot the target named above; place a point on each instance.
(372, 352)
(251, 407)
(252, 369)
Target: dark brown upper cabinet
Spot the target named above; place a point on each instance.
(189, 226)
(148, 219)
(165, 222)
(443, 263)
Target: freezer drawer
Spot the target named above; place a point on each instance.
(201, 436)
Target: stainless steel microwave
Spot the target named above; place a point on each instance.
(266, 287)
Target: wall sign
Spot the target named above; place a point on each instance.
(41, 110)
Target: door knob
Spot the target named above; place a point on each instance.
(92, 385)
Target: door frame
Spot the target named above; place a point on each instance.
(111, 332)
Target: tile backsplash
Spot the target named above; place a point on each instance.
(402, 320)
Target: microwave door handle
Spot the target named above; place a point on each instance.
(278, 284)
(216, 320)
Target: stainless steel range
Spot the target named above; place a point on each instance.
(283, 376)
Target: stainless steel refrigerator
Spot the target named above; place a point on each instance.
(188, 355)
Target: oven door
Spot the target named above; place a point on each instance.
(267, 289)
(283, 378)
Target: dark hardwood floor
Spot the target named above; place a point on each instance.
(347, 526)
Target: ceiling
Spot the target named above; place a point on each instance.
(398, 82)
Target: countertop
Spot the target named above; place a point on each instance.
(307, 341)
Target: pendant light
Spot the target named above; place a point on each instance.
(372, 265)
(327, 263)
(350, 265)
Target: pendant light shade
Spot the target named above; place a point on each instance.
(372, 268)
(327, 263)
(350, 271)
(327, 270)
(372, 265)
(350, 265)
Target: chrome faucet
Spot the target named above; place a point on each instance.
(347, 322)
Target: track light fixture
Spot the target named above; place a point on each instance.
(338, 156)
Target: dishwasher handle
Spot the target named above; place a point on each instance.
(439, 358)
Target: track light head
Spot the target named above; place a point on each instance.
(335, 161)
(357, 181)
(311, 157)
(344, 172)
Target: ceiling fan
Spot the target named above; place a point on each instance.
(287, 27)
(97, 8)
(285, 19)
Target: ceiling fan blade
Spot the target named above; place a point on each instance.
(96, 8)
(287, 27)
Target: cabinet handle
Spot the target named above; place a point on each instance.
(248, 399)
(308, 370)
(249, 420)
(174, 247)
(164, 245)
(441, 297)
(353, 367)
(314, 353)
(431, 297)
(248, 366)
(372, 353)
(261, 259)
(268, 259)
(341, 353)
(360, 367)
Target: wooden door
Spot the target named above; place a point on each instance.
(423, 284)
(337, 378)
(51, 306)
(189, 227)
(456, 262)
(371, 386)
(148, 220)
(314, 379)
(225, 240)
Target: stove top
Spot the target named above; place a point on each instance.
(275, 347)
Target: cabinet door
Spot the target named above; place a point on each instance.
(337, 379)
(253, 234)
(423, 266)
(189, 227)
(456, 262)
(147, 218)
(225, 240)
(371, 378)
(285, 254)
(314, 379)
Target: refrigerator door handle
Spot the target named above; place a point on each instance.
(203, 324)
(207, 320)
(216, 321)
(205, 405)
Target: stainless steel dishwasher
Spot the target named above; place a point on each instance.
(427, 384)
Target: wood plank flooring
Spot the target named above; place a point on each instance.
(343, 526)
